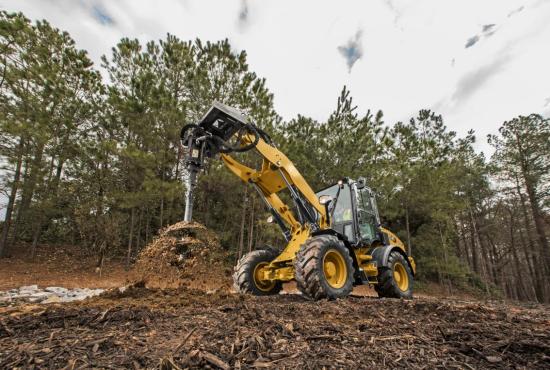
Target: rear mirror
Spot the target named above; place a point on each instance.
(325, 199)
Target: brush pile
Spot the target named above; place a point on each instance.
(184, 254)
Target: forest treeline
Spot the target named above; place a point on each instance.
(91, 156)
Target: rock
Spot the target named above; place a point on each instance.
(32, 293)
(28, 288)
(57, 290)
(39, 296)
(52, 299)
(5, 298)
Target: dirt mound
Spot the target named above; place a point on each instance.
(184, 254)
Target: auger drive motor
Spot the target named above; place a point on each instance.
(334, 239)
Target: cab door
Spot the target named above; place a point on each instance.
(367, 215)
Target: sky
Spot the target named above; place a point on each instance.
(476, 62)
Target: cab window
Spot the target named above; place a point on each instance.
(366, 214)
(342, 216)
(342, 211)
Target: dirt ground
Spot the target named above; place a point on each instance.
(185, 328)
(202, 324)
(60, 265)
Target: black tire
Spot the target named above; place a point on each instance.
(310, 274)
(243, 277)
(387, 286)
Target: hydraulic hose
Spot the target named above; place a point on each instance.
(216, 142)
(225, 147)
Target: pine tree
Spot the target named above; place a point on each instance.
(522, 155)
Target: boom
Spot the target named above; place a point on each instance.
(211, 136)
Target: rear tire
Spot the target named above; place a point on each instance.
(395, 280)
(245, 276)
(324, 268)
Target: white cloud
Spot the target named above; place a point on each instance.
(414, 55)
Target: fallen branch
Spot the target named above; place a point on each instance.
(185, 339)
(6, 329)
(392, 337)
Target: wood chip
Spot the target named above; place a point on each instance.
(215, 360)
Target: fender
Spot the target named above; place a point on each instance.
(381, 254)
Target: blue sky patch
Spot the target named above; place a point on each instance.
(353, 50)
(101, 16)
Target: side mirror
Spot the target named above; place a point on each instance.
(361, 183)
(270, 219)
(325, 199)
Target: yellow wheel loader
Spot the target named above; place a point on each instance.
(334, 237)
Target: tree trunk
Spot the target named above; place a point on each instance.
(101, 259)
(29, 184)
(409, 243)
(475, 254)
(35, 239)
(493, 257)
(530, 187)
(522, 289)
(130, 238)
(138, 231)
(539, 226)
(445, 259)
(530, 263)
(528, 249)
(147, 222)
(161, 217)
(19, 215)
(11, 202)
(462, 238)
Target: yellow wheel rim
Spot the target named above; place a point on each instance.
(263, 285)
(401, 276)
(335, 269)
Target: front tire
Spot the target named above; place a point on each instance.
(246, 278)
(324, 268)
(395, 280)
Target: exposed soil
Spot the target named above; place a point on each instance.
(60, 265)
(186, 328)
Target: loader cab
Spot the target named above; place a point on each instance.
(353, 210)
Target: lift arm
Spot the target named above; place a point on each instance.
(278, 173)
(211, 135)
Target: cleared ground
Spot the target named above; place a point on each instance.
(197, 326)
(184, 328)
(60, 265)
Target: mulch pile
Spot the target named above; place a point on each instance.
(184, 254)
(186, 328)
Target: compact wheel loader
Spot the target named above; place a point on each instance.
(334, 237)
